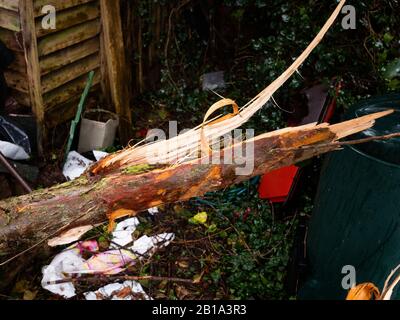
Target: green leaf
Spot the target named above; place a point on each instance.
(392, 70)
(200, 218)
(212, 228)
(216, 275)
(394, 84)
(387, 37)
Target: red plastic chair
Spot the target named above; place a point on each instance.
(276, 186)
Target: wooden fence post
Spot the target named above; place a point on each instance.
(115, 59)
(27, 16)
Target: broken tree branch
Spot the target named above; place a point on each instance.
(211, 129)
(350, 142)
(30, 220)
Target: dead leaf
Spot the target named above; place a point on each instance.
(120, 213)
(160, 296)
(181, 292)
(99, 296)
(183, 264)
(24, 288)
(69, 236)
(21, 286)
(364, 291)
(199, 277)
(30, 295)
(162, 285)
(124, 293)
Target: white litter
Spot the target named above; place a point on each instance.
(100, 155)
(71, 264)
(153, 211)
(122, 235)
(115, 261)
(129, 290)
(13, 151)
(75, 165)
(146, 244)
(63, 264)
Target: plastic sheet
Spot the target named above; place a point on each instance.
(11, 133)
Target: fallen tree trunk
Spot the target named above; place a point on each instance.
(32, 219)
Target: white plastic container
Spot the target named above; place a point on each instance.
(98, 130)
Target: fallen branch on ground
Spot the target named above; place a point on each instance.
(32, 219)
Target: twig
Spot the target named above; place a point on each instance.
(126, 248)
(166, 48)
(389, 288)
(246, 245)
(116, 278)
(202, 239)
(270, 251)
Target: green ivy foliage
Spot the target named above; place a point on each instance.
(257, 251)
(254, 41)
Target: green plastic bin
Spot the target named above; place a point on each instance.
(356, 219)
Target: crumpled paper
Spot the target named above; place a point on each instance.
(70, 263)
(113, 262)
(62, 265)
(153, 211)
(100, 155)
(122, 234)
(129, 290)
(77, 164)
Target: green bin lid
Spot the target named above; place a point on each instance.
(389, 150)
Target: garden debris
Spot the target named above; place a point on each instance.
(365, 291)
(122, 235)
(63, 264)
(100, 155)
(11, 133)
(153, 211)
(70, 236)
(77, 164)
(13, 151)
(116, 260)
(129, 290)
(50, 175)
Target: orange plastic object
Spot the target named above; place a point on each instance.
(275, 186)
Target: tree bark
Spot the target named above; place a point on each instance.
(33, 219)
